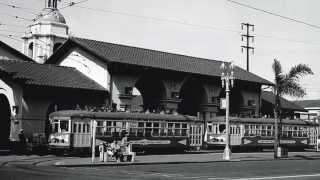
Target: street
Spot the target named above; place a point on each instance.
(36, 168)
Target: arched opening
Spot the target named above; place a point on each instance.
(5, 114)
(235, 102)
(193, 96)
(56, 46)
(30, 50)
(152, 91)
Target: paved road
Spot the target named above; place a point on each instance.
(281, 169)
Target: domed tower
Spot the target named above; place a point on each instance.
(44, 37)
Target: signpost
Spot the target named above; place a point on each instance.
(93, 140)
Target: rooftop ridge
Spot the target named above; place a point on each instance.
(159, 51)
(33, 62)
(162, 52)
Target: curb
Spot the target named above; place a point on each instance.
(62, 164)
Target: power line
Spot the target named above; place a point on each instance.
(192, 25)
(18, 7)
(70, 4)
(274, 14)
(158, 19)
(13, 25)
(16, 38)
(16, 17)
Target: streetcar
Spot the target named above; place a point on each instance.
(258, 133)
(71, 130)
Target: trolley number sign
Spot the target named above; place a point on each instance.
(269, 141)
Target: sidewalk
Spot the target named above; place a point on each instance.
(188, 158)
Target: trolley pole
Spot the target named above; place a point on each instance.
(227, 77)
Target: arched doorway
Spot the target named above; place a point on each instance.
(152, 91)
(5, 114)
(192, 96)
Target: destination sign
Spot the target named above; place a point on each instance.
(148, 142)
(266, 141)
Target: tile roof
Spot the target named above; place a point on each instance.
(308, 103)
(116, 53)
(285, 104)
(16, 52)
(48, 75)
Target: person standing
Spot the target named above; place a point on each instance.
(22, 142)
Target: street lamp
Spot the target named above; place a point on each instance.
(227, 77)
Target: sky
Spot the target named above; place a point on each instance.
(201, 28)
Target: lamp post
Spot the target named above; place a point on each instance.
(227, 81)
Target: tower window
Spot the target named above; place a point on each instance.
(30, 50)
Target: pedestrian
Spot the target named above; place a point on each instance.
(22, 142)
(117, 152)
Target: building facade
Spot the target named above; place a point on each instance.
(47, 34)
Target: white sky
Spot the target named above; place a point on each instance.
(202, 28)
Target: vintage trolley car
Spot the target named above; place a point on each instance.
(71, 130)
(258, 133)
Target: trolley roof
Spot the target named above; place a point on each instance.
(121, 115)
(264, 121)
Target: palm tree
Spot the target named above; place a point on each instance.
(286, 84)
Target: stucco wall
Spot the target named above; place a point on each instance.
(89, 66)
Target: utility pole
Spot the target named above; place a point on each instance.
(248, 37)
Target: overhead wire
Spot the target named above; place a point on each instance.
(75, 4)
(13, 25)
(70, 4)
(275, 14)
(193, 25)
(16, 17)
(28, 10)
(158, 19)
(16, 38)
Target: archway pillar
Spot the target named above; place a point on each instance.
(208, 111)
(122, 91)
(170, 105)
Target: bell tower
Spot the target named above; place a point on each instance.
(51, 4)
(46, 34)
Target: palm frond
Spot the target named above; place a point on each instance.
(292, 88)
(299, 70)
(277, 69)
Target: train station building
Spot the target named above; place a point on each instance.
(61, 72)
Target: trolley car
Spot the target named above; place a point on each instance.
(71, 130)
(258, 133)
